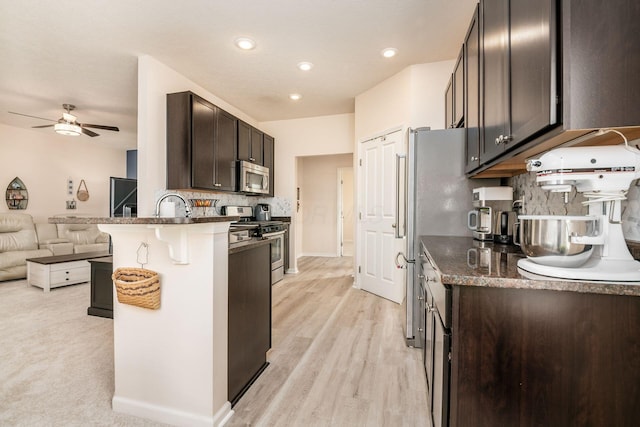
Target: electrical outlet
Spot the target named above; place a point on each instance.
(70, 189)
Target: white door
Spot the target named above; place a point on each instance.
(377, 217)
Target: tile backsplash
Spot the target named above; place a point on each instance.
(540, 202)
(279, 206)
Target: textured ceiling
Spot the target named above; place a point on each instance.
(85, 53)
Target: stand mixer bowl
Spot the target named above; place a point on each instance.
(546, 239)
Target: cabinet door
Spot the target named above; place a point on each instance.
(533, 67)
(202, 143)
(448, 104)
(496, 101)
(441, 374)
(225, 151)
(249, 316)
(472, 93)
(269, 160)
(256, 147)
(458, 91)
(244, 141)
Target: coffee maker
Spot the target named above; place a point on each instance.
(491, 218)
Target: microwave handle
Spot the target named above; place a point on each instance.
(265, 182)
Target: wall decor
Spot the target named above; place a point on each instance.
(83, 193)
(17, 196)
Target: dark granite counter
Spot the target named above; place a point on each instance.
(468, 262)
(140, 220)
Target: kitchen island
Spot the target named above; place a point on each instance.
(171, 363)
(532, 352)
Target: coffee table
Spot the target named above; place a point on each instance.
(60, 270)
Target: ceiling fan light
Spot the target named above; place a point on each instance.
(67, 129)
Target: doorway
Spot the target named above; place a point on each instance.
(345, 211)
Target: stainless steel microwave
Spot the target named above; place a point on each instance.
(254, 179)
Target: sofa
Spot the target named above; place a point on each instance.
(18, 241)
(64, 239)
(21, 238)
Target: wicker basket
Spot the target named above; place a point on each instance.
(137, 286)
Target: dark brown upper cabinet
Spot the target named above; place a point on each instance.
(458, 91)
(448, 104)
(269, 160)
(553, 72)
(472, 106)
(250, 143)
(519, 77)
(201, 144)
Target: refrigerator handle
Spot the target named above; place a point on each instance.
(400, 225)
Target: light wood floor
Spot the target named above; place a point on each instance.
(338, 357)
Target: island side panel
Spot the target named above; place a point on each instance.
(171, 363)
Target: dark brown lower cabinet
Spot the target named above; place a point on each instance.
(544, 358)
(101, 287)
(249, 317)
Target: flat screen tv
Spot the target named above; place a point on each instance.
(123, 197)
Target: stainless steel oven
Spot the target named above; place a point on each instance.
(277, 254)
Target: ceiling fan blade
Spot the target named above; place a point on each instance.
(113, 128)
(89, 132)
(43, 126)
(33, 117)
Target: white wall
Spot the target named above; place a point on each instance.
(305, 137)
(428, 84)
(155, 81)
(44, 162)
(414, 97)
(319, 203)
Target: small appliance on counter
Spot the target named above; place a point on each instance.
(584, 248)
(486, 219)
(262, 212)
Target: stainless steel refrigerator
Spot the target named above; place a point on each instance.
(434, 197)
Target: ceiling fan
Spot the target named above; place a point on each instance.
(68, 124)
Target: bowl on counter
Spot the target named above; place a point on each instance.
(546, 239)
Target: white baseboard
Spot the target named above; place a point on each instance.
(169, 415)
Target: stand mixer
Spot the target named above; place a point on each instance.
(603, 174)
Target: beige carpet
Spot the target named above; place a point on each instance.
(56, 362)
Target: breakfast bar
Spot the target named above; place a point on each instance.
(171, 363)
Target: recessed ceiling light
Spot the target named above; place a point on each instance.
(389, 52)
(295, 96)
(305, 66)
(245, 43)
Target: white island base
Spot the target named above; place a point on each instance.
(171, 363)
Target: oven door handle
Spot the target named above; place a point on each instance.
(273, 235)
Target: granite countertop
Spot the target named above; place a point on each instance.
(467, 262)
(140, 220)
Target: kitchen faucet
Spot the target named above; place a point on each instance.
(187, 205)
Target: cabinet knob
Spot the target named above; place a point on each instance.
(507, 138)
(217, 185)
(420, 276)
(474, 159)
(251, 159)
(497, 141)
(420, 330)
(420, 298)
